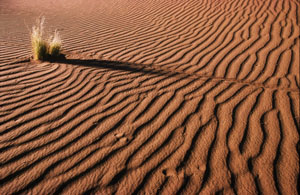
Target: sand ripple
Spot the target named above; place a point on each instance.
(155, 97)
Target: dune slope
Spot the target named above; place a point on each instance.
(155, 97)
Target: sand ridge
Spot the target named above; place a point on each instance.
(155, 97)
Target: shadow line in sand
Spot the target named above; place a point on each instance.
(156, 70)
(116, 65)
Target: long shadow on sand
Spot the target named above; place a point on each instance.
(116, 65)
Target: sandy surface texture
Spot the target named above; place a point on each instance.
(154, 97)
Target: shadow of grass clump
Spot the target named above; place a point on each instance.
(115, 65)
(43, 50)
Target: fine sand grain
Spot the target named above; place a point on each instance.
(154, 97)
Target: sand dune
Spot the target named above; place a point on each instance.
(155, 97)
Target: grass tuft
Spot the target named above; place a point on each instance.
(55, 45)
(42, 49)
(39, 46)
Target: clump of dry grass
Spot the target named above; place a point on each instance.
(39, 46)
(44, 49)
(55, 45)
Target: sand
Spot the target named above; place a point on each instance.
(154, 97)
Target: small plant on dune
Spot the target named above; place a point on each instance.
(42, 49)
(55, 45)
(39, 46)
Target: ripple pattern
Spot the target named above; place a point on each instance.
(155, 97)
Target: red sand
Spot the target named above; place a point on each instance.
(155, 97)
